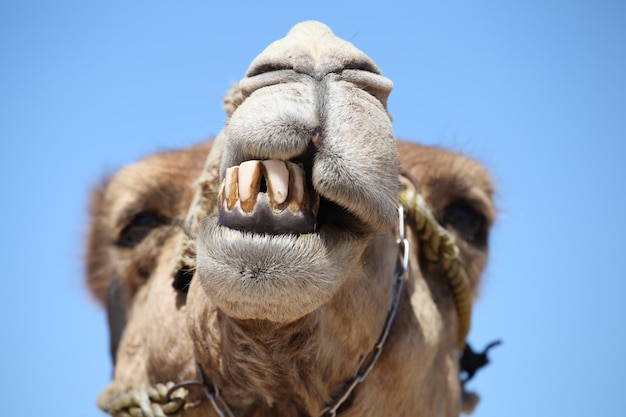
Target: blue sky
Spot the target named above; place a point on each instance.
(535, 90)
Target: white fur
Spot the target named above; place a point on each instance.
(273, 277)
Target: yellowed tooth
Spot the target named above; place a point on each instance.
(277, 177)
(221, 195)
(249, 180)
(296, 186)
(230, 186)
(315, 208)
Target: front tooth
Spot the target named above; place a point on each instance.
(249, 180)
(230, 186)
(296, 186)
(277, 177)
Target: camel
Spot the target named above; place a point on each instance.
(304, 262)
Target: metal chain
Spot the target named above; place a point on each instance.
(440, 249)
(365, 367)
(213, 394)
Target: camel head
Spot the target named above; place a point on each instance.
(272, 262)
(309, 173)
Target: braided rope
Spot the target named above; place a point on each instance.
(440, 251)
(204, 201)
(207, 186)
(157, 401)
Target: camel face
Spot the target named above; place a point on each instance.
(285, 231)
(309, 172)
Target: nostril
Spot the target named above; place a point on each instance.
(362, 65)
(264, 68)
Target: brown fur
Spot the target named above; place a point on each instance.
(279, 323)
(163, 184)
(295, 368)
(446, 177)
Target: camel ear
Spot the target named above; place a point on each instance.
(98, 264)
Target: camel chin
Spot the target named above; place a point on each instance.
(279, 277)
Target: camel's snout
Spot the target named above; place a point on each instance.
(269, 196)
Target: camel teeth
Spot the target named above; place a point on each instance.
(220, 194)
(231, 194)
(286, 206)
(286, 186)
(249, 181)
(296, 186)
(277, 177)
(315, 208)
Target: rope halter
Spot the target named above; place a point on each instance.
(440, 252)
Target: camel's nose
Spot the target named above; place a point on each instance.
(311, 48)
(315, 99)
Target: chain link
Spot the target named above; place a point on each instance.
(365, 365)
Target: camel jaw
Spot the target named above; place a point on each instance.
(274, 277)
(276, 250)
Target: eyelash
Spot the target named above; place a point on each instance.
(139, 227)
(467, 221)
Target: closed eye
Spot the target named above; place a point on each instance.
(139, 227)
(469, 223)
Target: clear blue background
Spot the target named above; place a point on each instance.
(536, 90)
